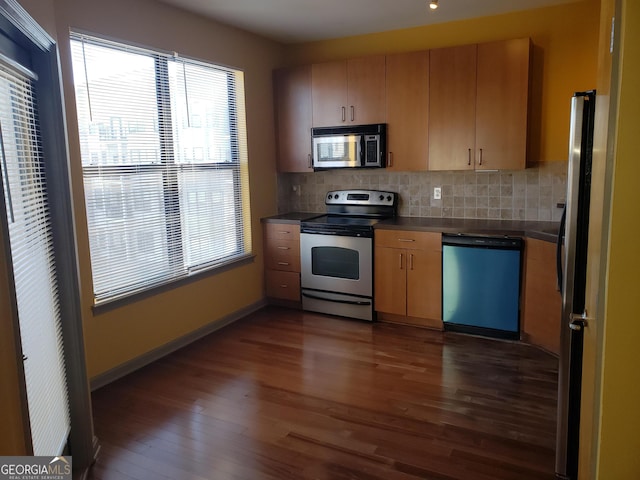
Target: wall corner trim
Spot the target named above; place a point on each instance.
(131, 366)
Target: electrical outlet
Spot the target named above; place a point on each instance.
(296, 189)
(437, 193)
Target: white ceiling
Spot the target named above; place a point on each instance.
(295, 21)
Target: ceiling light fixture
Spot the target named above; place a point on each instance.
(433, 4)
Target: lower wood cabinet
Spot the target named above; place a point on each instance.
(283, 285)
(408, 277)
(542, 308)
(282, 261)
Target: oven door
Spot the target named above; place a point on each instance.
(335, 263)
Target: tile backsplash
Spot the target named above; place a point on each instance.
(531, 194)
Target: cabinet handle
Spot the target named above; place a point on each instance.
(284, 286)
(406, 240)
(469, 162)
(390, 162)
(283, 248)
(344, 114)
(480, 161)
(309, 159)
(284, 232)
(401, 255)
(353, 113)
(411, 261)
(283, 263)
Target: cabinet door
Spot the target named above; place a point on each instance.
(329, 93)
(424, 284)
(407, 110)
(542, 301)
(390, 289)
(452, 104)
(501, 106)
(293, 118)
(366, 90)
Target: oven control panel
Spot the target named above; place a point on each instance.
(361, 197)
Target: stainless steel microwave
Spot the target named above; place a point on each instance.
(359, 146)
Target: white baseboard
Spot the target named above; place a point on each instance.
(132, 365)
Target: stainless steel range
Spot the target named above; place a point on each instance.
(336, 252)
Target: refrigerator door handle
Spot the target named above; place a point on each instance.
(559, 243)
(578, 321)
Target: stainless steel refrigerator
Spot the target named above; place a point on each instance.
(572, 275)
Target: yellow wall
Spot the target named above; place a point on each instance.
(564, 59)
(125, 333)
(619, 447)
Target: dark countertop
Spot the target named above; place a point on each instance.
(547, 231)
(292, 217)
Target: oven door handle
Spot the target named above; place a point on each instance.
(348, 302)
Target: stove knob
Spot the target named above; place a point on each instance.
(381, 197)
(330, 197)
(336, 196)
(388, 198)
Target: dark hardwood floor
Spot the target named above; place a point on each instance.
(286, 395)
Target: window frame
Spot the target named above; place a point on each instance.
(170, 190)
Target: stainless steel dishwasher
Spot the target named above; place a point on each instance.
(481, 285)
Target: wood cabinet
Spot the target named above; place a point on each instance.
(407, 111)
(282, 261)
(408, 277)
(478, 100)
(348, 92)
(542, 309)
(292, 91)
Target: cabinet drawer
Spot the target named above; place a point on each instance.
(282, 231)
(283, 285)
(408, 239)
(283, 255)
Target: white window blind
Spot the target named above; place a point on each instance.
(164, 156)
(23, 182)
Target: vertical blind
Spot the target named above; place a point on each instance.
(164, 157)
(29, 226)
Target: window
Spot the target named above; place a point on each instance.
(164, 158)
(33, 261)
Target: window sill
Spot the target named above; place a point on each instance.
(108, 305)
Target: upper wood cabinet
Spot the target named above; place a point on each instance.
(407, 111)
(502, 104)
(348, 92)
(292, 91)
(478, 106)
